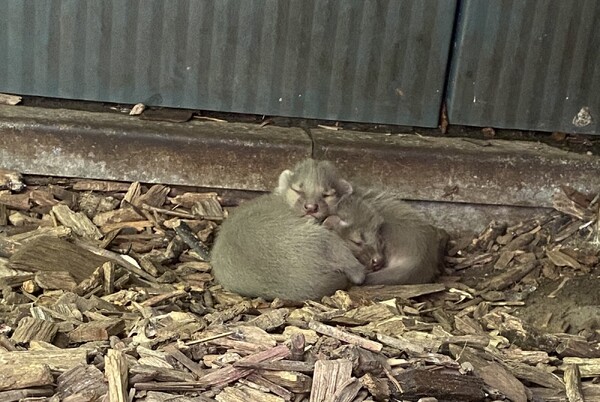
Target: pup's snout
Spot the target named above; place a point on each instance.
(311, 208)
(376, 262)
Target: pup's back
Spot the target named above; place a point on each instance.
(266, 250)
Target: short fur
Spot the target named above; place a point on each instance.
(313, 188)
(266, 250)
(360, 226)
(413, 248)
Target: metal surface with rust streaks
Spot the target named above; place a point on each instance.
(60, 142)
(370, 61)
(495, 172)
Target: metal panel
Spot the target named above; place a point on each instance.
(369, 61)
(527, 64)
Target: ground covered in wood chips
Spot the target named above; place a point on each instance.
(107, 295)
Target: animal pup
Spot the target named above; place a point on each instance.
(360, 226)
(265, 249)
(413, 248)
(313, 188)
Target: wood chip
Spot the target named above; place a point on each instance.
(244, 393)
(100, 330)
(281, 365)
(33, 329)
(78, 222)
(573, 383)
(378, 292)
(419, 383)
(534, 375)
(116, 374)
(345, 336)
(22, 394)
(53, 254)
(10, 179)
(229, 374)
(494, 375)
(572, 202)
(377, 387)
(100, 185)
(561, 259)
(588, 367)
(62, 280)
(296, 382)
(16, 201)
(208, 209)
(58, 360)
(137, 109)
(183, 230)
(505, 258)
(578, 348)
(25, 375)
(11, 100)
(509, 277)
(330, 376)
(80, 382)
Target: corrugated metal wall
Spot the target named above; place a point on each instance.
(367, 61)
(531, 64)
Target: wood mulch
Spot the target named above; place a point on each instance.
(107, 295)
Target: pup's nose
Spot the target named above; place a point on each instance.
(376, 262)
(311, 208)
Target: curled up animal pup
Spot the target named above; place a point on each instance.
(413, 248)
(393, 242)
(313, 188)
(266, 249)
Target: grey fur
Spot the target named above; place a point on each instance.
(313, 184)
(413, 248)
(265, 249)
(360, 226)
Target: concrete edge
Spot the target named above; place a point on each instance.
(492, 172)
(70, 143)
(60, 142)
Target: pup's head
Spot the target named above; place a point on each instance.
(360, 226)
(313, 188)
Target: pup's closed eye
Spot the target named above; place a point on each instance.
(329, 193)
(357, 238)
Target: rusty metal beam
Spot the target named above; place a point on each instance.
(494, 172)
(59, 142)
(111, 146)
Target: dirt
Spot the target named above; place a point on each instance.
(573, 309)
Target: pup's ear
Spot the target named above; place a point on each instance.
(345, 187)
(334, 221)
(284, 181)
